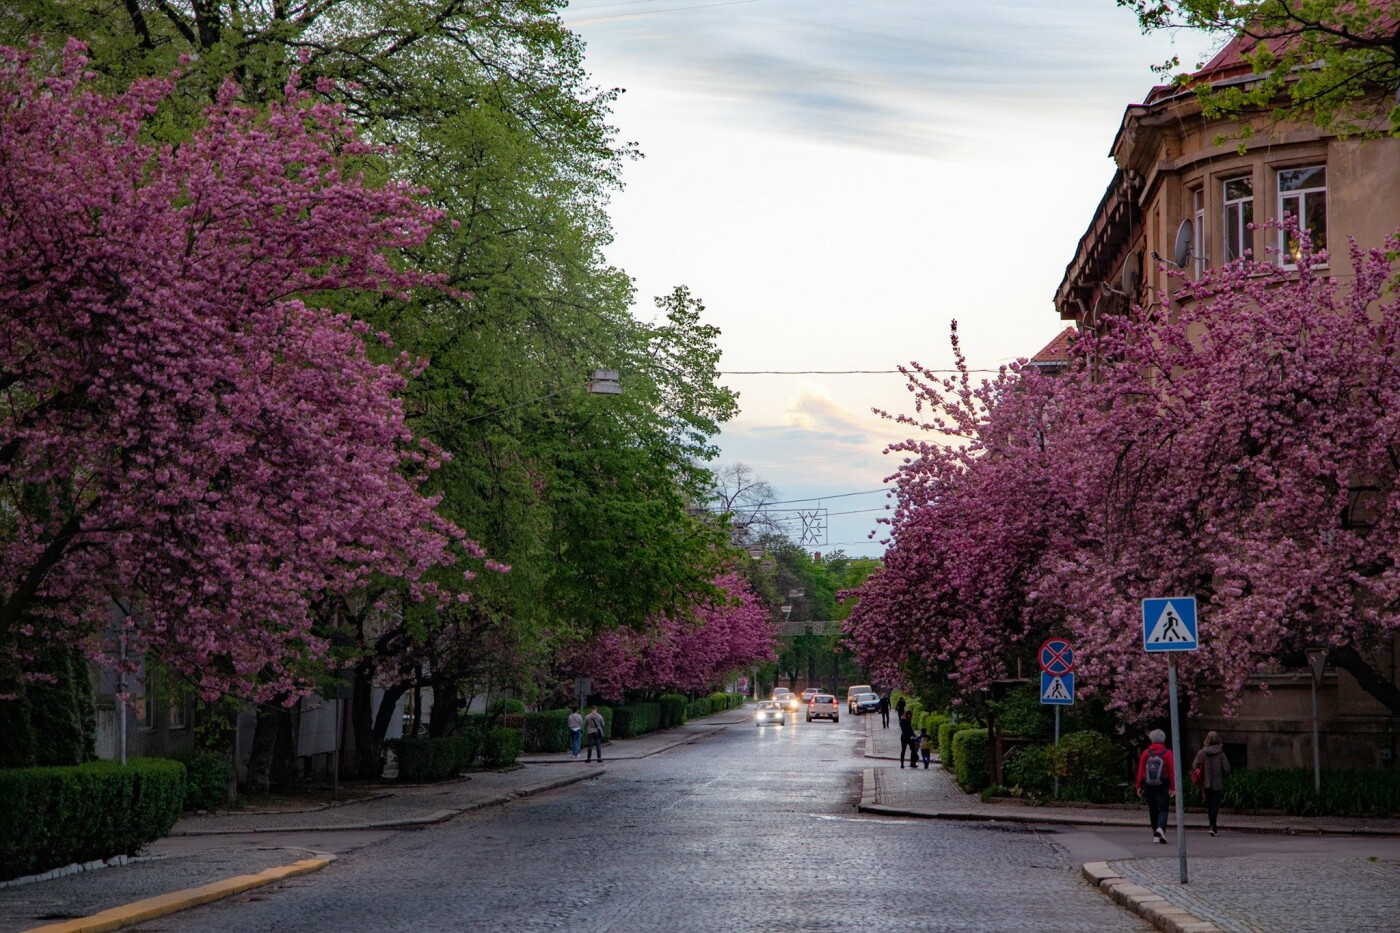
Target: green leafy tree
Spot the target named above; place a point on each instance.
(1333, 62)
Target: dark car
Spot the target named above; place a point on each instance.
(866, 703)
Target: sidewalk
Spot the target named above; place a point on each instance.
(206, 858)
(1247, 893)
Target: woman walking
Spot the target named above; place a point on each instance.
(1213, 765)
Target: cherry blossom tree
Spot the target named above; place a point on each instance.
(1243, 448)
(183, 431)
(725, 634)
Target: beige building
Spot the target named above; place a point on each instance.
(1185, 191)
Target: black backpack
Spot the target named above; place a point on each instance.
(1152, 773)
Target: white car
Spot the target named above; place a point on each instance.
(769, 711)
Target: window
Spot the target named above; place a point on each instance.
(1198, 231)
(177, 713)
(1302, 194)
(1239, 214)
(145, 706)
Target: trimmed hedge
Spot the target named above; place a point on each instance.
(970, 759)
(500, 747)
(672, 710)
(946, 753)
(51, 817)
(434, 759)
(636, 719)
(1344, 792)
(546, 731)
(207, 779)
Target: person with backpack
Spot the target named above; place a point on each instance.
(1156, 782)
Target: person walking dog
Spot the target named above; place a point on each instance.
(1156, 783)
(1211, 765)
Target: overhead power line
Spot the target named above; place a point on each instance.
(839, 495)
(837, 372)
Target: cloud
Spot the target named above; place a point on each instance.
(904, 75)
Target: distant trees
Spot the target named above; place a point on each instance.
(1242, 449)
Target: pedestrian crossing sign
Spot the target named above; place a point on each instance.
(1169, 624)
(1057, 689)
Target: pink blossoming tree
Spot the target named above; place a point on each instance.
(183, 433)
(724, 635)
(1243, 449)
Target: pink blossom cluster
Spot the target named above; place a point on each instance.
(180, 428)
(1240, 445)
(722, 636)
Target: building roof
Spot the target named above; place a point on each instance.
(1055, 354)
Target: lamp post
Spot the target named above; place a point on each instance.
(1317, 661)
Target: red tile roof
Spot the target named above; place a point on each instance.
(1056, 352)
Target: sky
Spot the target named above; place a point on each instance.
(839, 180)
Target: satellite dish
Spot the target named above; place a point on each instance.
(1185, 235)
(1130, 275)
(1094, 311)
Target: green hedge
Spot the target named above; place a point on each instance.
(636, 719)
(1344, 792)
(672, 710)
(946, 753)
(500, 747)
(1090, 767)
(546, 731)
(929, 723)
(51, 817)
(434, 759)
(207, 778)
(970, 759)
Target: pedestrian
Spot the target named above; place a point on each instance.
(885, 710)
(899, 707)
(925, 749)
(1212, 766)
(593, 722)
(907, 739)
(575, 732)
(1156, 782)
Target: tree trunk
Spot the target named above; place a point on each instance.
(1368, 678)
(443, 719)
(264, 744)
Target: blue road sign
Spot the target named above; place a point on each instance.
(1169, 624)
(1057, 689)
(1056, 656)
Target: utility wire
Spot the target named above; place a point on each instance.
(839, 495)
(837, 372)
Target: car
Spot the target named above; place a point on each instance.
(853, 692)
(809, 693)
(866, 703)
(823, 706)
(769, 711)
(779, 693)
(792, 701)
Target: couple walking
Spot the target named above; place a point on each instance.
(1156, 780)
(593, 723)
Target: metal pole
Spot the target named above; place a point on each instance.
(335, 756)
(1176, 767)
(1057, 749)
(1317, 754)
(121, 696)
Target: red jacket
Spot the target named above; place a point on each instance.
(1167, 763)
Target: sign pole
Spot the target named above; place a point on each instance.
(1176, 767)
(1057, 749)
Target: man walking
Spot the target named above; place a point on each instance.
(884, 710)
(1156, 783)
(593, 723)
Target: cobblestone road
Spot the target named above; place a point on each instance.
(749, 829)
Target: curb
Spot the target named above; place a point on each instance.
(161, 905)
(436, 816)
(1151, 907)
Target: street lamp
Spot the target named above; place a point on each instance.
(1317, 661)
